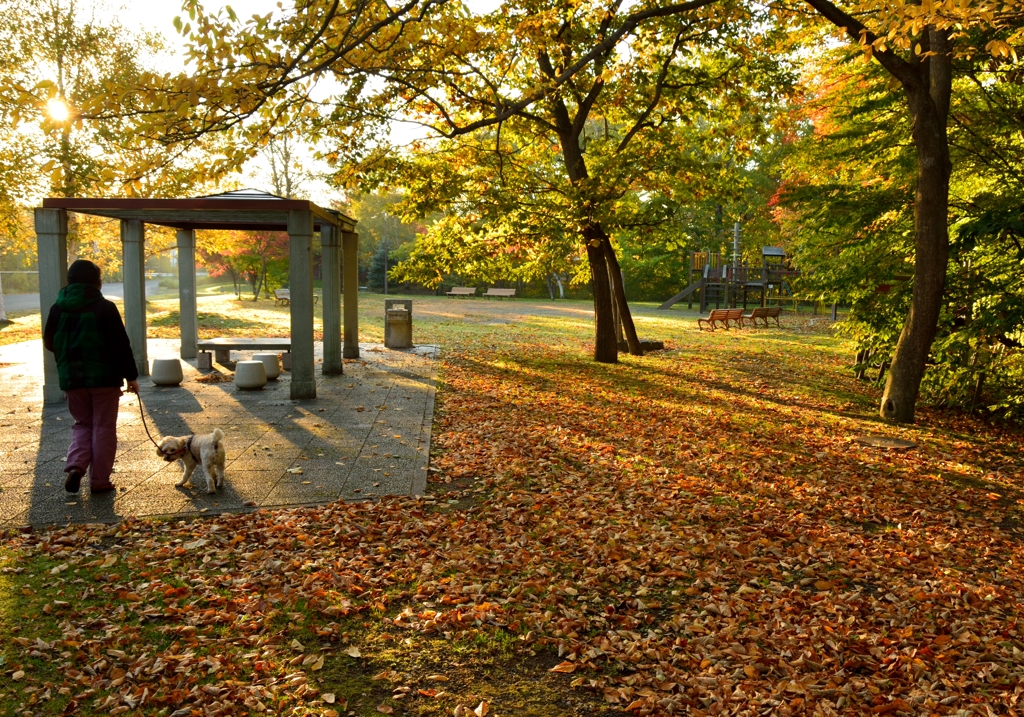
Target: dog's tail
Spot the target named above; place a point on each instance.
(218, 435)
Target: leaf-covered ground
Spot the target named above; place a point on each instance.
(691, 532)
(21, 326)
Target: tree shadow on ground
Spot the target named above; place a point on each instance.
(208, 320)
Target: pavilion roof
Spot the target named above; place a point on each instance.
(240, 209)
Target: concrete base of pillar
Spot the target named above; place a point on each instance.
(332, 370)
(303, 390)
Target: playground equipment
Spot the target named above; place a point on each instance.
(714, 281)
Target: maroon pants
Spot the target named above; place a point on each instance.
(94, 435)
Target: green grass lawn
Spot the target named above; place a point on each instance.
(695, 531)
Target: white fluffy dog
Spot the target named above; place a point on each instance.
(206, 450)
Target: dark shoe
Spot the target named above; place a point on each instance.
(74, 481)
(102, 488)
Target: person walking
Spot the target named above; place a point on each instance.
(94, 359)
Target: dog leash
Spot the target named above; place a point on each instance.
(144, 424)
(142, 412)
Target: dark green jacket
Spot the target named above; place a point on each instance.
(87, 337)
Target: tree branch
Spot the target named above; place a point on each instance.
(631, 23)
(658, 85)
(896, 65)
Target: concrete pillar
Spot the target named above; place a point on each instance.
(52, 247)
(350, 247)
(188, 320)
(300, 281)
(133, 267)
(330, 240)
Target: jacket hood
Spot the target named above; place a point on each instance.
(76, 297)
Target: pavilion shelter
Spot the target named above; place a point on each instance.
(246, 209)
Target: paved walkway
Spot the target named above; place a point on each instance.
(367, 434)
(114, 292)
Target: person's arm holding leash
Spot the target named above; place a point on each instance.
(120, 346)
(49, 332)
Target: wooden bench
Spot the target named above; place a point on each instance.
(758, 314)
(501, 293)
(764, 313)
(721, 316)
(223, 347)
(461, 291)
(283, 297)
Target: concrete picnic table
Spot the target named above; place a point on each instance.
(222, 347)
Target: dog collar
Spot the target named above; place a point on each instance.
(186, 449)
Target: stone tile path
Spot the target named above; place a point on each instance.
(366, 434)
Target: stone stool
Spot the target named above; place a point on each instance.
(272, 364)
(167, 372)
(250, 374)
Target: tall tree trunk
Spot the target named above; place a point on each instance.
(599, 250)
(927, 80)
(929, 107)
(606, 349)
(605, 273)
(619, 292)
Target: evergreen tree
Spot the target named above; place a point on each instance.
(380, 263)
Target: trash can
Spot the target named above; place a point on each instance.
(398, 323)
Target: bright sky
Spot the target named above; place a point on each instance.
(146, 14)
(159, 15)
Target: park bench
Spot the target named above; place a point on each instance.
(721, 316)
(501, 293)
(758, 314)
(773, 313)
(283, 297)
(222, 348)
(461, 291)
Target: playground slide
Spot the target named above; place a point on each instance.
(681, 295)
